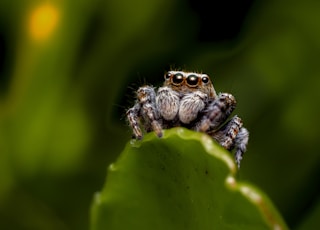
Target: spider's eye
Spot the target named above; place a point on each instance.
(205, 79)
(177, 78)
(167, 76)
(192, 80)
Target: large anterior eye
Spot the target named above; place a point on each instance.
(177, 78)
(192, 80)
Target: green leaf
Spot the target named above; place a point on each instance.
(181, 181)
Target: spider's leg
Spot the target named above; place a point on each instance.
(216, 113)
(227, 134)
(233, 135)
(132, 115)
(147, 98)
(152, 117)
(241, 144)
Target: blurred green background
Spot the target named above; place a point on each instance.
(68, 71)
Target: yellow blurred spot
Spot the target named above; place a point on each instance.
(43, 21)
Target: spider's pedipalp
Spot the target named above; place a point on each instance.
(167, 103)
(190, 106)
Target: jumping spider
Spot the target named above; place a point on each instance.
(189, 100)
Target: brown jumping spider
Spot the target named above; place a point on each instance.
(189, 100)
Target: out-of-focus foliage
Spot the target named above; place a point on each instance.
(67, 69)
(183, 181)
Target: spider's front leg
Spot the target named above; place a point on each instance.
(217, 113)
(132, 116)
(232, 134)
(146, 108)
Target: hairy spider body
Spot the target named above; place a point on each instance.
(189, 100)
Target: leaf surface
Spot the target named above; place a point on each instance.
(181, 181)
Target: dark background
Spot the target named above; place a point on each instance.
(64, 92)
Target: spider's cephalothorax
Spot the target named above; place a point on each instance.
(189, 99)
